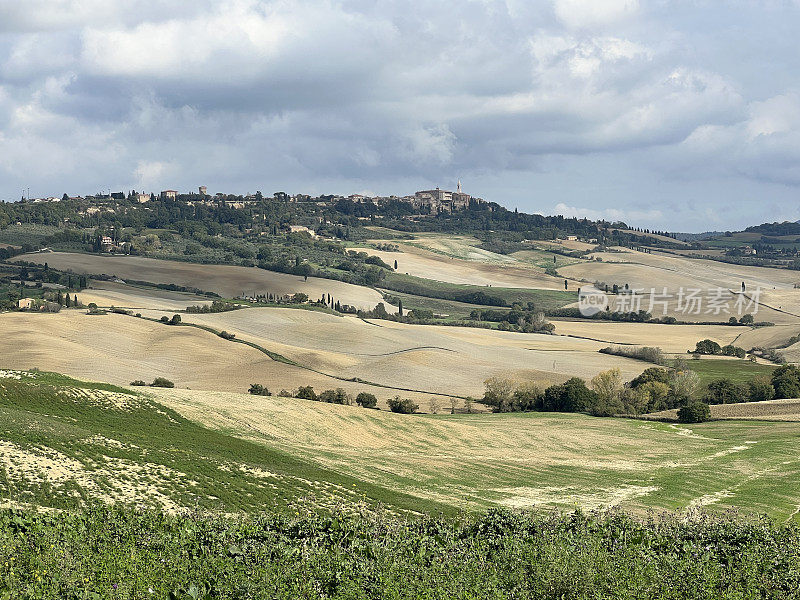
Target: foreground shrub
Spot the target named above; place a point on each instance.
(258, 390)
(694, 412)
(112, 553)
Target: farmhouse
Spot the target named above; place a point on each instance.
(25, 303)
(302, 229)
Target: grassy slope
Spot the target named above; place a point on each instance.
(454, 310)
(60, 423)
(417, 286)
(527, 459)
(269, 452)
(740, 370)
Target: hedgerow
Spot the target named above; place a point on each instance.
(351, 552)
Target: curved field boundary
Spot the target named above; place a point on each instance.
(406, 350)
(780, 310)
(280, 358)
(591, 339)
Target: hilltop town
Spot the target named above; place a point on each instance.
(426, 202)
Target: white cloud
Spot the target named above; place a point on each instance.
(151, 175)
(609, 214)
(777, 115)
(588, 13)
(263, 93)
(426, 144)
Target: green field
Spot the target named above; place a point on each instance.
(454, 310)
(66, 443)
(544, 259)
(738, 370)
(27, 233)
(418, 286)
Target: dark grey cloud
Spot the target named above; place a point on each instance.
(625, 108)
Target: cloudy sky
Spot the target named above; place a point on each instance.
(681, 115)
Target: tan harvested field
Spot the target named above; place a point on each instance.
(767, 337)
(565, 245)
(677, 307)
(771, 410)
(227, 280)
(480, 267)
(642, 270)
(778, 301)
(119, 349)
(670, 338)
(440, 359)
(792, 353)
(120, 295)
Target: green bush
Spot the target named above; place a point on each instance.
(337, 396)
(726, 391)
(731, 350)
(694, 412)
(786, 381)
(306, 392)
(258, 390)
(707, 347)
(366, 400)
(570, 396)
(651, 374)
(645, 353)
(760, 389)
(138, 382)
(107, 553)
(402, 405)
(162, 382)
